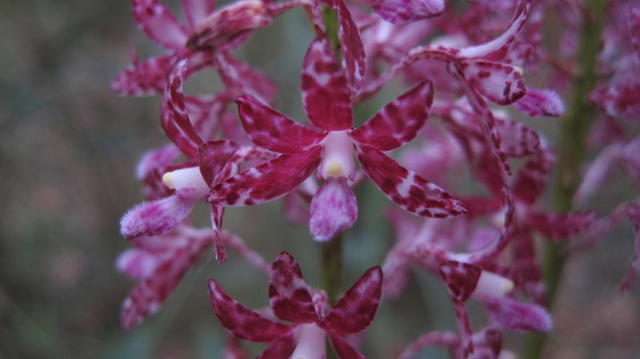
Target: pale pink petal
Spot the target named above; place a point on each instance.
(242, 321)
(343, 349)
(240, 246)
(144, 78)
(280, 348)
(233, 350)
(538, 103)
(240, 78)
(399, 11)
(157, 159)
(325, 91)
(146, 298)
(517, 140)
(399, 121)
(499, 83)
(270, 129)
(136, 263)
(197, 10)
(156, 217)
(157, 21)
(597, 172)
(461, 279)
(357, 307)
(229, 25)
(288, 294)
(514, 315)
(352, 47)
(333, 209)
(267, 181)
(405, 188)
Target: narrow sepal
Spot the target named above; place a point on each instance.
(266, 181)
(288, 294)
(271, 129)
(213, 157)
(175, 101)
(407, 189)
(240, 78)
(352, 47)
(537, 103)
(357, 307)
(279, 349)
(242, 321)
(514, 315)
(532, 178)
(343, 349)
(401, 11)
(159, 23)
(143, 78)
(399, 121)
(333, 209)
(325, 92)
(561, 225)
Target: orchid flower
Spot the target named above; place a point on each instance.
(292, 301)
(329, 149)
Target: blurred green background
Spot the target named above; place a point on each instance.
(67, 152)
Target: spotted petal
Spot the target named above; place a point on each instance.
(357, 307)
(157, 21)
(146, 298)
(499, 83)
(280, 348)
(354, 56)
(399, 121)
(241, 78)
(270, 129)
(267, 181)
(400, 11)
(213, 157)
(538, 103)
(517, 140)
(156, 217)
(461, 279)
(333, 209)
(325, 92)
(242, 321)
(405, 188)
(288, 294)
(143, 78)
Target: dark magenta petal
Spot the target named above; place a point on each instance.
(405, 188)
(352, 47)
(399, 121)
(266, 181)
(357, 307)
(270, 129)
(148, 77)
(343, 349)
(279, 349)
(288, 294)
(325, 93)
(242, 321)
(461, 279)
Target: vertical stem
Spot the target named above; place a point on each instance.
(573, 133)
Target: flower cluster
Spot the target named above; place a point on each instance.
(462, 71)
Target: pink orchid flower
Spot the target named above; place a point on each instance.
(330, 147)
(292, 301)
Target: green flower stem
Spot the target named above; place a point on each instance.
(573, 133)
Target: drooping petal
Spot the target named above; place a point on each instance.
(343, 349)
(242, 321)
(399, 121)
(136, 263)
(155, 217)
(157, 21)
(405, 188)
(266, 181)
(240, 78)
(144, 78)
(146, 298)
(517, 140)
(216, 223)
(499, 83)
(288, 294)
(538, 103)
(461, 279)
(357, 307)
(229, 24)
(325, 92)
(352, 47)
(517, 316)
(333, 209)
(174, 133)
(280, 348)
(270, 129)
(197, 10)
(400, 11)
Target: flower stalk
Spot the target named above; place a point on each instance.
(571, 153)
